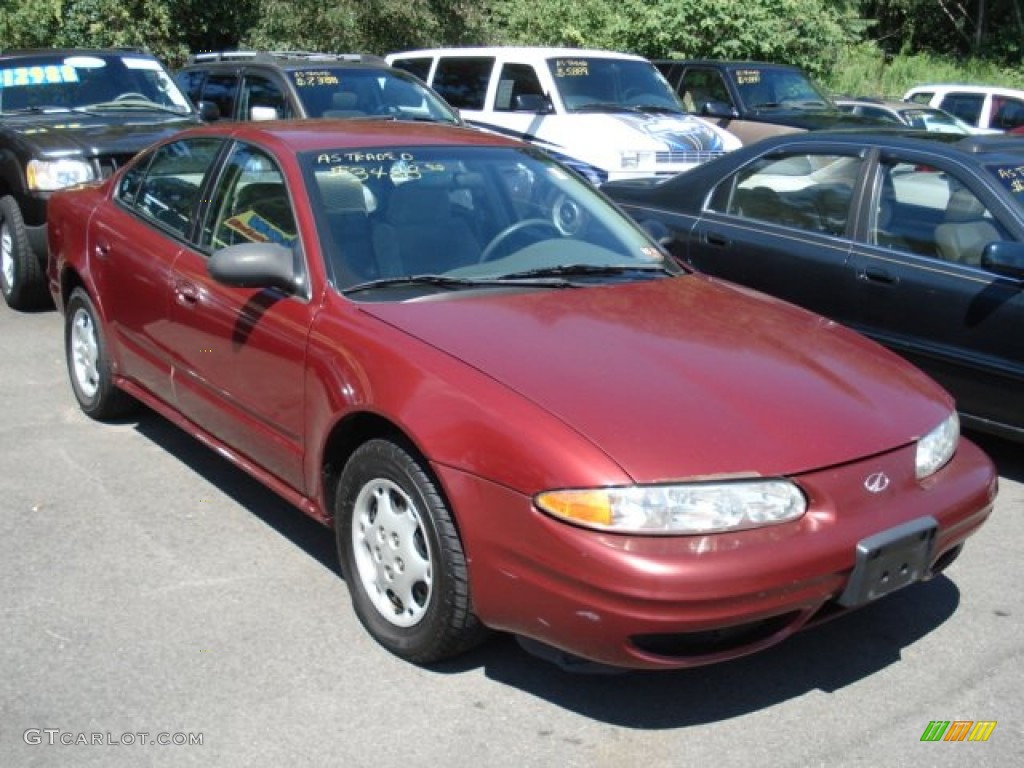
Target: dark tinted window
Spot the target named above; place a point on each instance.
(966, 106)
(518, 88)
(419, 67)
(462, 81)
(191, 83)
(222, 89)
(699, 86)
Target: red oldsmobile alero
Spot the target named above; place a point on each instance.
(516, 411)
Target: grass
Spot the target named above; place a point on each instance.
(864, 71)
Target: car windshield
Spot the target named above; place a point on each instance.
(449, 217)
(350, 92)
(96, 80)
(769, 88)
(933, 120)
(591, 83)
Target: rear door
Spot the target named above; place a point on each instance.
(780, 225)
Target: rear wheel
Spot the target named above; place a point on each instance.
(85, 349)
(402, 557)
(22, 278)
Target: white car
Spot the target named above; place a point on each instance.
(608, 115)
(983, 106)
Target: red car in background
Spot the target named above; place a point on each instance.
(515, 410)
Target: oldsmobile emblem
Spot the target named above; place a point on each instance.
(877, 482)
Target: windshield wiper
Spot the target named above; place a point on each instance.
(604, 106)
(34, 110)
(444, 281)
(588, 270)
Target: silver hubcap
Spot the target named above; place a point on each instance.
(391, 553)
(7, 255)
(85, 353)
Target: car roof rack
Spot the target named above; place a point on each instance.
(358, 58)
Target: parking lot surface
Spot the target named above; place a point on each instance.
(160, 608)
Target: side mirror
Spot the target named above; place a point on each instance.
(1004, 258)
(531, 102)
(255, 265)
(208, 111)
(722, 109)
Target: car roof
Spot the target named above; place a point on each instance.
(991, 146)
(967, 88)
(541, 52)
(729, 64)
(27, 52)
(287, 60)
(333, 133)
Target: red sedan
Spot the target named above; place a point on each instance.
(515, 410)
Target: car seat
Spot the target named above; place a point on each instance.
(420, 234)
(966, 231)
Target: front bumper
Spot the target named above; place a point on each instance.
(674, 602)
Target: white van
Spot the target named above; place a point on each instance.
(608, 115)
(985, 106)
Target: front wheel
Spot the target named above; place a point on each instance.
(85, 349)
(22, 279)
(401, 556)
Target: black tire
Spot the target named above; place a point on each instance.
(85, 350)
(402, 557)
(22, 276)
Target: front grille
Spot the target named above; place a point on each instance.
(690, 158)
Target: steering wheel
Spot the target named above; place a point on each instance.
(510, 230)
(132, 95)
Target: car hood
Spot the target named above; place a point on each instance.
(687, 377)
(115, 132)
(815, 120)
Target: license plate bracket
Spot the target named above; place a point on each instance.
(890, 560)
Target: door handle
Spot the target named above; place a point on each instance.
(716, 239)
(878, 275)
(101, 249)
(186, 294)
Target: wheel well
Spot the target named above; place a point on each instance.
(347, 435)
(69, 281)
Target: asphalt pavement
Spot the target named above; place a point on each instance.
(160, 608)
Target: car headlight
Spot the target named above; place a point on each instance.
(48, 175)
(672, 510)
(937, 447)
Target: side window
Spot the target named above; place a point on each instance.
(462, 81)
(923, 210)
(921, 97)
(699, 86)
(263, 99)
(168, 192)
(1007, 113)
(222, 90)
(806, 191)
(250, 203)
(966, 106)
(519, 89)
(418, 66)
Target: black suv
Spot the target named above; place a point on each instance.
(755, 99)
(248, 85)
(69, 117)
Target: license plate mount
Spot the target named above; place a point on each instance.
(890, 560)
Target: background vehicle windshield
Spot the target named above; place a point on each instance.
(760, 88)
(599, 83)
(51, 82)
(464, 212)
(350, 92)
